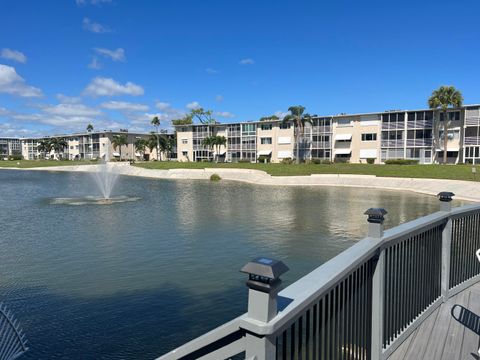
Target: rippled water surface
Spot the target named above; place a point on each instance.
(133, 280)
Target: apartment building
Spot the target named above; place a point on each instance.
(354, 138)
(92, 145)
(9, 146)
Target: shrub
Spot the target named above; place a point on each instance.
(342, 160)
(215, 177)
(15, 157)
(287, 161)
(370, 161)
(401, 162)
(316, 160)
(263, 159)
(326, 162)
(244, 161)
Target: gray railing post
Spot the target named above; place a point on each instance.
(445, 198)
(263, 286)
(375, 231)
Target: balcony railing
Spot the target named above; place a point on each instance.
(321, 130)
(472, 121)
(420, 124)
(392, 143)
(321, 144)
(400, 125)
(419, 142)
(472, 140)
(363, 303)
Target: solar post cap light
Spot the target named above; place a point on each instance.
(263, 283)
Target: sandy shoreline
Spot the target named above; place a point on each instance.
(464, 190)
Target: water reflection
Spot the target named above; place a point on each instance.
(62, 265)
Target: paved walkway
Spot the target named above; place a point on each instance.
(464, 190)
(441, 336)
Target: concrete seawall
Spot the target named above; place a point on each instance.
(464, 190)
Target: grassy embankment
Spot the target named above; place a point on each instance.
(455, 172)
(28, 164)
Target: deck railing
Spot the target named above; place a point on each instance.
(363, 303)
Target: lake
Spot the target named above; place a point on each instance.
(134, 280)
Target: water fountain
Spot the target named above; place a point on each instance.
(105, 176)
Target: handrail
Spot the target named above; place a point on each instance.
(432, 242)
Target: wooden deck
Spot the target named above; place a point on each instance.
(441, 336)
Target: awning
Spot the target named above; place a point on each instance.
(116, 154)
(368, 153)
(343, 137)
(221, 153)
(265, 152)
(342, 151)
(448, 149)
(138, 154)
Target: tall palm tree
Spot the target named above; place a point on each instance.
(299, 119)
(58, 145)
(442, 99)
(219, 141)
(118, 141)
(209, 143)
(89, 128)
(140, 146)
(43, 146)
(156, 123)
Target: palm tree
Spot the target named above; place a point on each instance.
(300, 119)
(58, 145)
(443, 98)
(209, 143)
(43, 147)
(156, 122)
(118, 141)
(151, 143)
(219, 141)
(140, 146)
(89, 128)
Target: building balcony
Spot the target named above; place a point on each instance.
(419, 142)
(420, 124)
(472, 140)
(321, 145)
(392, 143)
(472, 121)
(400, 125)
(321, 130)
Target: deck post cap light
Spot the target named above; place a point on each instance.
(376, 215)
(445, 196)
(263, 286)
(264, 273)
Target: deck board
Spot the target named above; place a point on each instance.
(441, 336)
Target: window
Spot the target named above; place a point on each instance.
(285, 126)
(343, 122)
(452, 116)
(369, 137)
(266, 141)
(266, 126)
(184, 141)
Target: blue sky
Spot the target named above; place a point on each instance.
(117, 63)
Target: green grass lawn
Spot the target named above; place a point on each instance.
(28, 164)
(455, 172)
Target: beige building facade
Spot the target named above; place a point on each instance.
(353, 138)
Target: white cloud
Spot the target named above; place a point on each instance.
(162, 105)
(281, 114)
(224, 114)
(14, 84)
(115, 55)
(193, 105)
(69, 110)
(95, 64)
(94, 27)
(13, 55)
(124, 106)
(68, 99)
(108, 87)
(219, 98)
(247, 61)
(212, 71)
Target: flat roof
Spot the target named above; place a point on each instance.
(325, 116)
(90, 133)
